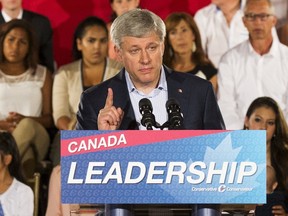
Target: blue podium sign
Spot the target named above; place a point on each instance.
(148, 167)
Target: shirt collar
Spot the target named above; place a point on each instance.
(242, 5)
(7, 18)
(273, 49)
(162, 85)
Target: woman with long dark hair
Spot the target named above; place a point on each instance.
(265, 114)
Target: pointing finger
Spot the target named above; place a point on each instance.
(109, 99)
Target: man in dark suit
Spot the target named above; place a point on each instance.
(41, 25)
(138, 36)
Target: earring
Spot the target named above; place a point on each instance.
(194, 47)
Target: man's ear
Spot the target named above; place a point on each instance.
(163, 48)
(7, 159)
(274, 20)
(118, 53)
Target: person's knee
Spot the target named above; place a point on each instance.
(26, 123)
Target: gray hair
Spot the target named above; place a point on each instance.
(137, 23)
(268, 1)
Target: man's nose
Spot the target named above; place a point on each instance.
(145, 57)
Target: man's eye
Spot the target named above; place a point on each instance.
(152, 48)
(134, 51)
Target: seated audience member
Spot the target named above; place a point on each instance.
(25, 93)
(40, 24)
(273, 198)
(16, 198)
(55, 206)
(265, 114)
(183, 48)
(254, 68)
(221, 27)
(91, 66)
(118, 8)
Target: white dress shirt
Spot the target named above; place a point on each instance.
(158, 98)
(7, 18)
(244, 75)
(217, 37)
(18, 200)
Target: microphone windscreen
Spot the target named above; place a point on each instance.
(170, 102)
(145, 102)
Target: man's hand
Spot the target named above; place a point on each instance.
(110, 117)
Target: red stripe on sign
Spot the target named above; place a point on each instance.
(123, 139)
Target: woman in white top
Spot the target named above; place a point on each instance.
(91, 67)
(16, 198)
(25, 93)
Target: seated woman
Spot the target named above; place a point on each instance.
(16, 198)
(91, 66)
(265, 114)
(183, 49)
(25, 93)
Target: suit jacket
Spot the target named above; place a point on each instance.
(195, 96)
(43, 32)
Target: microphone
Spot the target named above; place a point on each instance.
(175, 118)
(148, 118)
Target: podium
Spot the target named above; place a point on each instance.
(202, 168)
(126, 210)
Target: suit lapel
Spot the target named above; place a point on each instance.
(122, 99)
(1, 18)
(176, 89)
(26, 15)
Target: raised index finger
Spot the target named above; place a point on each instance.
(109, 99)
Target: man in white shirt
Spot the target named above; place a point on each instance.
(254, 68)
(221, 27)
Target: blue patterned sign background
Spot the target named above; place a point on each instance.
(235, 148)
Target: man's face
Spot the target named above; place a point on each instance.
(142, 58)
(11, 4)
(258, 20)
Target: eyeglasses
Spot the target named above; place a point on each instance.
(262, 16)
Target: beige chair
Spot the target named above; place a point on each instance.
(34, 183)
